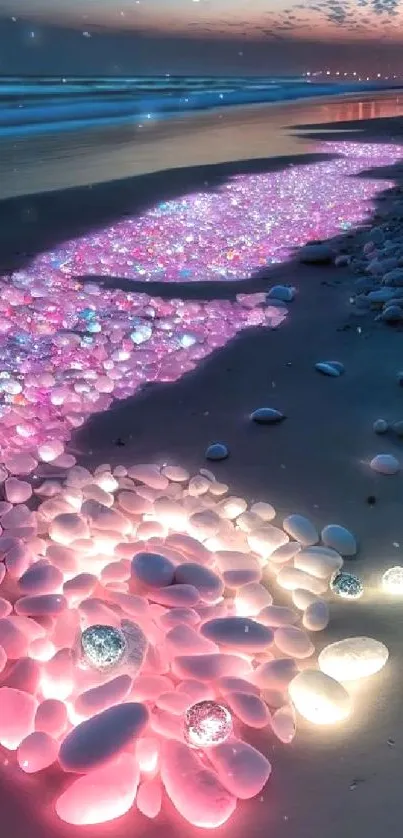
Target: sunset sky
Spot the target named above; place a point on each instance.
(199, 36)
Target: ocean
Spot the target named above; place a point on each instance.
(36, 105)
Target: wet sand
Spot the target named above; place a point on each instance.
(332, 782)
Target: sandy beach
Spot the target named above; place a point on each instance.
(336, 781)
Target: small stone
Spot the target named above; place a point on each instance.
(217, 451)
(339, 539)
(331, 368)
(319, 698)
(302, 529)
(286, 293)
(152, 570)
(316, 616)
(267, 416)
(103, 737)
(392, 314)
(346, 585)
(380, 426)
(385, 464)
(397, 428)
(353, 658)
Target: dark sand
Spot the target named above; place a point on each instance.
(341, 782)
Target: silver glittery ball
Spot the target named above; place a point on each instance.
(207, 724)
(103, 647)
(346, 585)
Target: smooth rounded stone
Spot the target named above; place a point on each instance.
(209, 667)
(79, 587)
(231, 508)
(5, 607)
(319, 698)
(291, 578)
(250, 599)
(285, 553)
(239, 685)
(150, 687)
(51, 717)
(17, 491)
(392, 314)
(249, 708)
(41, 578)
(99, 739)
(275, 674)
(176, 473)
(13, 640)
(203, 800)
(380, 296)
(217, 451)
(207, 583)
(41, 605)
(242, 769)
(265, 540)
(18, 560)
(17, 714)
(198, 486)
(283, 724)
(133, 504)
(101, 796)
(102, 518)
(149, 797)
(340, 539)
(316, 254)
(205, 524)
(68, 527)
(318, 561)
(36, 752)
(267, 416)
(302, 529)
(263, 510)
(153, 570)
(190, 547)
(316, 616)
(175, 596)
(150, 475)
(353, 658)
(397, 428)
(247, 522)
(380, 426)
(20, 464)
(294, 642)
(286, 293)
(277, 615)
(394, 277)
(235, 579)
(385, 464)
(328, 368)
(99, 698)
(24, 675)
(174, 702)
(184, 640)
(238, 633)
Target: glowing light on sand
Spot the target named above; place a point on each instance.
(392, 581)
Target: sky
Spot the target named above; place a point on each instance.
(186, 35)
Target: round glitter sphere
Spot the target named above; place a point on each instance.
(392, 580)
(346, 585)
(103, 647)
(207, 724)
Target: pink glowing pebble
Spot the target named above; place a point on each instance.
(36, 752)
(103, 795)
(290, 579)
(208, 584)
(101, 738)
(242, 769)
(51, 717)
(106, 695)
(17, 491)
(20, 463)
(49, 451)
(176, 473)
(78, 476)
(43, 604)
(41, 578)
(204, 525)
(133, 605)
(174, 702)
(147, 752)
(234, 560)
(102, 518)
(149, 529)
(283, 724)
(209, 667)
(64, 558)
(14, 641)
(175, 595)
(203, 801)
(65, 629)
(166, 725)
(24, 675)
(149, 797)
(95, 612)
(178, 616)
(285, 553)
(294, 642)
(150, 475)
(239, 685)
(18, 516)
(17, 714)
(250, 709)
(8, 543)
(149, 687)
(42, 649)
(235, 579)
(170, 513)
(2, 572)
(190, 547)
(3, 659)
(238, 633)
(5, 608)
(67, 528)
(133, 504)
(65, 461)
(251, 598)
(58, 675)
(184, 640)
(32, 628)
(48, 489)
(79, 587)
(196, 690)
(152, 570)
(277, 615)
(17, 560)
(93, 492)
(116, 572)
(275, 674)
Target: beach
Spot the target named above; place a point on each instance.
(332, 780)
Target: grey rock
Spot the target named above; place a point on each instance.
(217, 451)
(392, 314)
(267, 416)
(286, 293)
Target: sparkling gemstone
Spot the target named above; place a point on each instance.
(346, 585)
(207, 724)
(103, 646)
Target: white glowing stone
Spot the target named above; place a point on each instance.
(392, 580)
(319, 698)
(353, 658)
(207, 724)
